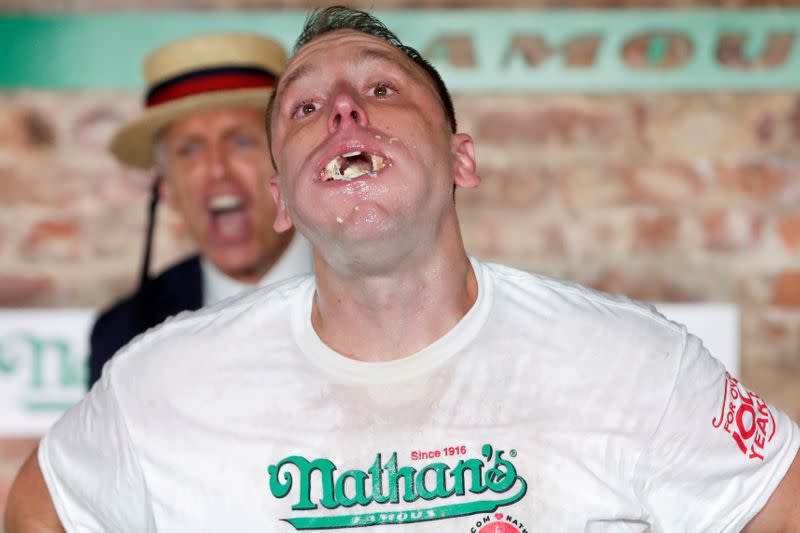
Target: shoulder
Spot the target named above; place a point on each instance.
(576, 331)
(581, 306)
(208, 334)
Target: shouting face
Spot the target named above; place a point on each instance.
(216, 175)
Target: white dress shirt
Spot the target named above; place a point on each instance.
(295, 260)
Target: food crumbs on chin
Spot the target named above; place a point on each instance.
(378, 137)
(392, 139)
(355, 208)
(339, 220)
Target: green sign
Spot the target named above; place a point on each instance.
(476, 50)
(48, 366)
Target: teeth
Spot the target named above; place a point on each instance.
(333, 170)
(225, 202)
(377, 162)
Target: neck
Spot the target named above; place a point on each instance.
(383, 316)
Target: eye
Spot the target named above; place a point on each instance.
(188, 149)
(382, 90)
(243, 141)
(304, 109)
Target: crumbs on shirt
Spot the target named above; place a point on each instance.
(746, 417)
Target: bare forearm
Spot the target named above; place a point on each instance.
(30, 509)
(782, 512)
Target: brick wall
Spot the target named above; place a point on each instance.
(672, 197)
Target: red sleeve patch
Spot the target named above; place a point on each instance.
(746, 417)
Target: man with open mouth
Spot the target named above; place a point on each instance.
(202, 131)
(412, 385)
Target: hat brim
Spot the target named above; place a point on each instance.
(133, 143)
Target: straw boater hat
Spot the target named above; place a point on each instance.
(194, 74)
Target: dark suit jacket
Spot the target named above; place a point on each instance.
(177, 289)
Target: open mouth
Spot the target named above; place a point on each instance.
(219, 205)
(353, 165)
(228, 217)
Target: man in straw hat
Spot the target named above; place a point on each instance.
(203, 131)
(410, 384)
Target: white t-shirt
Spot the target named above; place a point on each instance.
(548, 407)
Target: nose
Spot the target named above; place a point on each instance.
(346, 111)
(217, 162)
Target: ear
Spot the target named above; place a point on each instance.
(465, 174)
(282, 219)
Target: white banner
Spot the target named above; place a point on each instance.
(42, 366)
(716, 324)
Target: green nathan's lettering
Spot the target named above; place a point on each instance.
(435, 480)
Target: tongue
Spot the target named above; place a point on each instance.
(229, 226)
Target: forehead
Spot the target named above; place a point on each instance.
(340, 47)
(206, 120)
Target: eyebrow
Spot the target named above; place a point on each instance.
(364, 56)
(295, 75)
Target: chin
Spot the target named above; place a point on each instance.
(234, 263)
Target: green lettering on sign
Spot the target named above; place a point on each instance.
(53, 373)
(475, 50)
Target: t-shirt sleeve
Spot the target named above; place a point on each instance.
(718, 453)
(91, 468)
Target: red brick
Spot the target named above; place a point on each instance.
(24, 290)
(511, 183)
(588, 186)
(761, 179)
(794, 119)
(560, 125)
(12, 129)
(789, 231)
(95, 126)
(649, 286)
(510, 236)
(663, 182)
(787, 289)
(59, 239)
(655, 231)
(727, 230)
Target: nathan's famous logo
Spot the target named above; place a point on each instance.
(381, 484)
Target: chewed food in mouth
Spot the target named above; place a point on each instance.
(353, 165)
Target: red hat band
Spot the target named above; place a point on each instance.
(209, 80)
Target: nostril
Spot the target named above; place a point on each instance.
(354, 115)
(337, 120)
